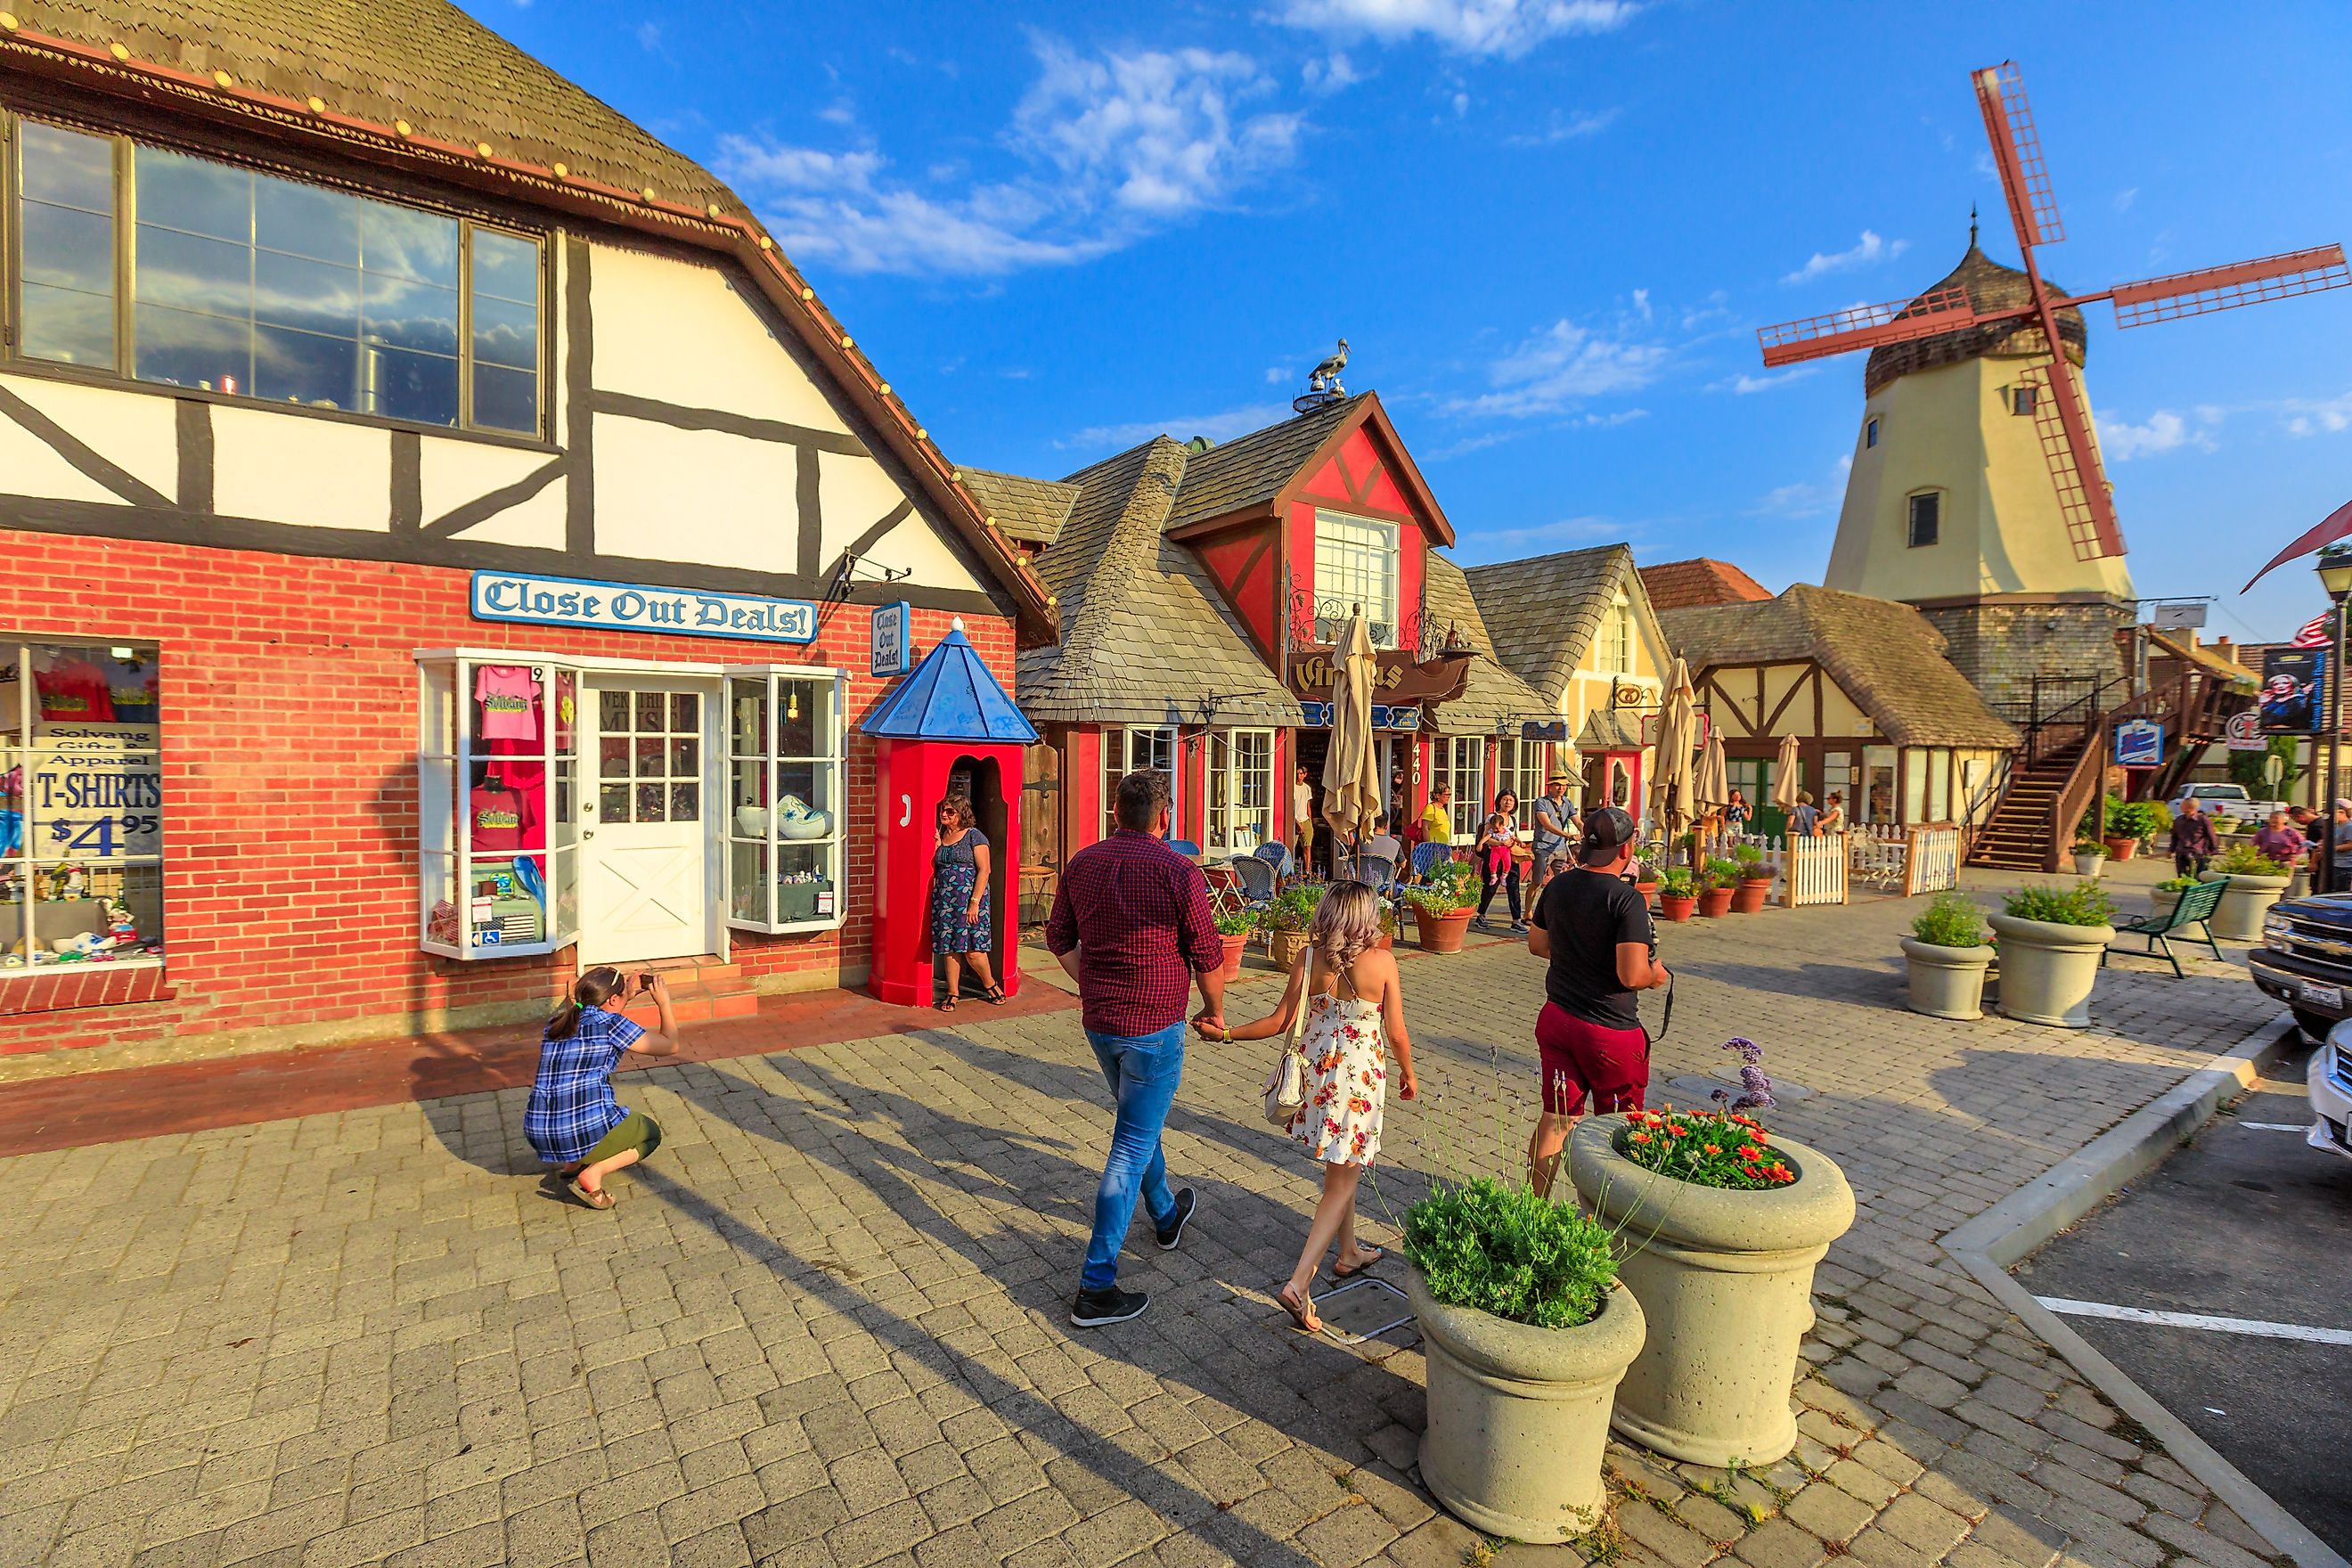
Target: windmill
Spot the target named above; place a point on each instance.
(2052, 391)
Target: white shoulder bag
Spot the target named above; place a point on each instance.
(1286, 1086)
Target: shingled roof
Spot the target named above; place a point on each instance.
(1990, 287)
(1147, 637)
(1492, 695)
(1253, 469)
(1702, 579)
(1031, 511)
(1544, 612)
(1884, 656)
(423, 61)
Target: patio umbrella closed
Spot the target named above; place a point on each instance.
(1351, 786)
(1670, 781)
(1712, 783)
(1784, 775)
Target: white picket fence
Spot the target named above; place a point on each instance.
(1933, 859)
(1816, 872)
(1878, 854)
(1893, 859)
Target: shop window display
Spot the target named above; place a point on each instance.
(82, 808)
(784, 800)
(498, 800)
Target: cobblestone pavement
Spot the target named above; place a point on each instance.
(827, 1324)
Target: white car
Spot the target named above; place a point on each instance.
(2228, 800)
(2329, 1079)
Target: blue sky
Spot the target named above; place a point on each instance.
(1547, 228)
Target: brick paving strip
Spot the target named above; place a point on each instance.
(826, 1325)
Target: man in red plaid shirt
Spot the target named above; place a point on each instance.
(1131, 925)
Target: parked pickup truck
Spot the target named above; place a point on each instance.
(2229, 800)
(2305, 960)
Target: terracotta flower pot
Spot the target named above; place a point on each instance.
(1726, 1280)
(1748, 898)
(1673, 908)
(2122, 848)
(1236, 946)
(1440, 933)
(1647, 889)
(1285, 946)
(1518, 1415)
(1715, 903)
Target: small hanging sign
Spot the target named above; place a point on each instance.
(2139, 743)
(893, 639)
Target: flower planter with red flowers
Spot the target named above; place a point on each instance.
(1715, 902)
(1719, 1226)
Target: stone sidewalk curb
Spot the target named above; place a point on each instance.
(1988, 1245)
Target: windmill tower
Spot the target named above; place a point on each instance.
(1977, 491)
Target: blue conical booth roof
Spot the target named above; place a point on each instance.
(951, 696)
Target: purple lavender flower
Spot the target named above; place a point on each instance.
(1756, 1087)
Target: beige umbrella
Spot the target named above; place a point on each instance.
(1784, 775)
(1352, 788)
(1712, 783)
(1670, 774)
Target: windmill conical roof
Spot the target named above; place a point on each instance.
(1990, 287)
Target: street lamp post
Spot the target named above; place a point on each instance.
(2335, 576)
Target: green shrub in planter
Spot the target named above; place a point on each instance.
(1953, 920)
(1721, 873)
(1235, 922)
(2090, 846)
(2084, 904)
(2176, 884)
(1294, 908)
(1749, 859)
(1453, 885)
(1678, 885)
(2245, 860)
(1504, 1252)
(2140, 819)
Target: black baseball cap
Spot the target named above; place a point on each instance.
(1607, 829)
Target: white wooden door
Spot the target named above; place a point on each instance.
(644, 862)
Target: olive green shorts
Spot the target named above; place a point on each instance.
(638, 1131)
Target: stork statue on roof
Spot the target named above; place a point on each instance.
(1976, 491)
(1323, 386)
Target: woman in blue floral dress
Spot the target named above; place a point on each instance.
(960, 917)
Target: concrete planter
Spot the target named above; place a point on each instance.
(1946, 982)
(2047, 970)
(2244, 902)
(1285, 946)
(2089, 865)
(1440, 933)
(1518, 1415)
(2162, 899)
(1726, 1279)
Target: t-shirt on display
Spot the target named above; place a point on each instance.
(509, 701)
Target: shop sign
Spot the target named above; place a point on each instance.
(893, 639)
(96, 792)
(2293, 679)
(2139, 743)
(639, 608)
(1318, 716)
(1396, 676)
(2245, 731)
(1555, 729)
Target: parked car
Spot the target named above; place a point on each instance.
(2305, 960)
(2228, 800)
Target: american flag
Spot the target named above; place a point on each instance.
(2317, 632)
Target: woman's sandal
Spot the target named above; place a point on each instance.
(594, 1197)
(947, 1005)
(1302, 1313)
(993, 995)
(1373, 1258)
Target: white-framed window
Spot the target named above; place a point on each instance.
(1870, 431)
(180, 270)
(498, 825)
(1459, 762)
(1355, 563)
(1616, 640)
(784, 798)
(1132, 750)
(1241, 791)
(1519, 768)
(1923, 517)
(81, 805)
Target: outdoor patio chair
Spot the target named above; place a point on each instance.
(1227, 895)
(1257, 876)
(1185, 847)
(1377, 872)
(1426, 858)
(1274, 855)
(2195, 908)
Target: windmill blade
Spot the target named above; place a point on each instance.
(2063, 428)
(2017, 155)
(2226, 287)
(1867, 327)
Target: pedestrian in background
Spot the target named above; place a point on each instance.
(1735, 815)
(2277, 839)
(1499, 858)
(2193, 846)
(573, 1120)
(1804, 821)
(1833, 817)
(1555, 818)
(1302, 823)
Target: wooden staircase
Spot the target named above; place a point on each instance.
(2017, 836)
(701, 990)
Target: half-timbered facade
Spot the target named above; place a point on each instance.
(444, 540)
(1881, 718)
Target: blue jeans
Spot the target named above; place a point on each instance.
(1142, 1071)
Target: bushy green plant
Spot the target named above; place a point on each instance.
(1721, 873)
(1502, 1250)
(2140, 819)
(2176, 884)
(2245, 860)
(1751, 860)
(1678, 885)
(2090, 846)
(1294, 908)
(1953, 920)
(1453, 886)
(2084, 904)
(1235, 922)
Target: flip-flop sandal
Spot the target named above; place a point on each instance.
(595, 1197)
(1373, 1258)
(947, 1005)
(1305, 1316)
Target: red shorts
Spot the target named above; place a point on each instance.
(1611, 1066)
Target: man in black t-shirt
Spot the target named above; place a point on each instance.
(1595, 927)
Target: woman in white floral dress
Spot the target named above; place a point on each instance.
(1355, 1016)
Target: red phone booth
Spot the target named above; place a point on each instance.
(947, 728)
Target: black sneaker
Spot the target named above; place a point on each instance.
(1173, 1231)
(1096, 1309)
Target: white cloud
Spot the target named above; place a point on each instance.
(1744, 383)
(1331, 73)
(1116, 145)
(1870, 248)
(2306, 417)
(1222, 427)
(1562, 365)
(1805, 498)
(2120, 441)
(2124, 199)
(1509, 27)
(1570, 128)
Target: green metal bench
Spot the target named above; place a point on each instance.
(2195, 908)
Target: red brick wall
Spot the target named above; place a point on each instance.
(288, 694)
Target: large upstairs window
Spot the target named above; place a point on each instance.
(190, 273)
(1355, 563)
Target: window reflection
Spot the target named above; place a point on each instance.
(66, 226)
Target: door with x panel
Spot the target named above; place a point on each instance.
(644, 874)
